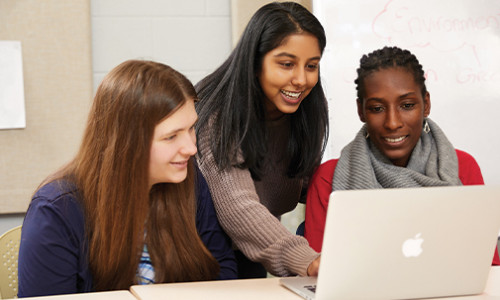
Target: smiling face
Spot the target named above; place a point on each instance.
(288, 73)
(394, 110)
(174, 142)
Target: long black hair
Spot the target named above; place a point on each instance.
(385, 58)
(231, 97)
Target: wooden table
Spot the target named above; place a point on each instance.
(114, 295)
(251, 289)
(262, 289)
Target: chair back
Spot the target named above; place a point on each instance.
(9, 251)
(301, 229)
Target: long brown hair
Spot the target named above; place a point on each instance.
(111, 173)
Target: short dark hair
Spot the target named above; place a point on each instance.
(389, 57)
(232, 97)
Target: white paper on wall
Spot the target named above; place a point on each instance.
(12, 110)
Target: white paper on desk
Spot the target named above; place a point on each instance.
(12, 110)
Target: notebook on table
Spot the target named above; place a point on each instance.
(405, 243)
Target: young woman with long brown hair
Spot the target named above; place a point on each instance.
(131, 207)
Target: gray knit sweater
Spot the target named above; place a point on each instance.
(248, 210)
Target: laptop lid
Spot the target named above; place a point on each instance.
(408, 243)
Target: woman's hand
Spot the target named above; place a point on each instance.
(313, 268)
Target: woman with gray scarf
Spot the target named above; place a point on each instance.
(397, 147)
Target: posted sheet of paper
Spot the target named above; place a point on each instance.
(12, 110)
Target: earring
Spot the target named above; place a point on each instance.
(426, 127)
(367, 135)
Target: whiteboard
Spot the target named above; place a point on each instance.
(456, 41)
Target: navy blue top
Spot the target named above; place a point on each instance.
(52, 254)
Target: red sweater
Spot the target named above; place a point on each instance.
(320, 189)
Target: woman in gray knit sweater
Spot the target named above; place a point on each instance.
(262, 130)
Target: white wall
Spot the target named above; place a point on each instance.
(192, 36)
(9, 221)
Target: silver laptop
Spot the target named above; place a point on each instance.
(405, 243)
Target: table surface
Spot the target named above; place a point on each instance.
(262, 289)
(113, 295)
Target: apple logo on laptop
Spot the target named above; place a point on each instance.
(413, 247)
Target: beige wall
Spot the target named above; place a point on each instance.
(55, 41)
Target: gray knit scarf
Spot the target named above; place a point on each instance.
(433, 162)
